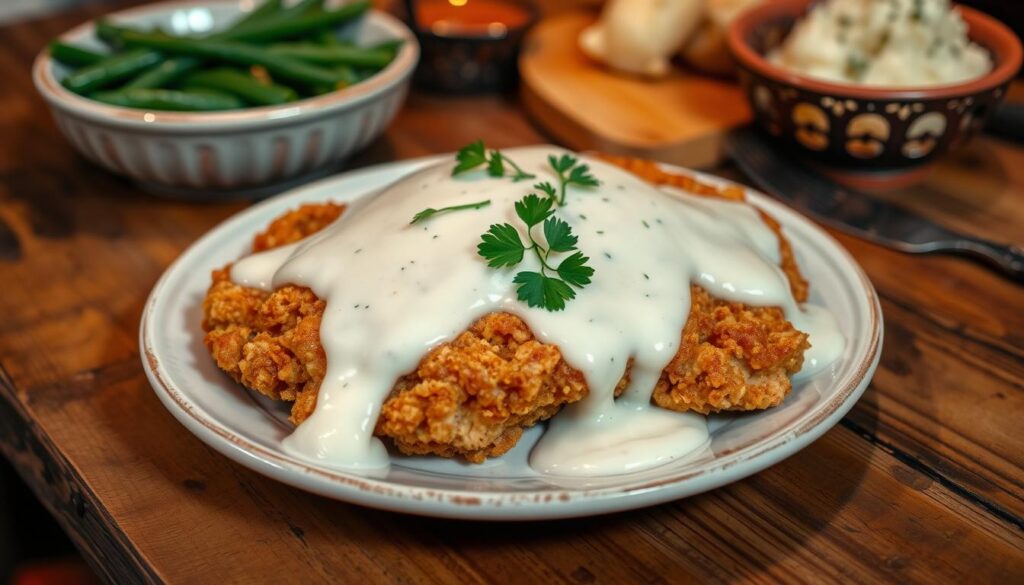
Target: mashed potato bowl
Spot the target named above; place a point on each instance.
(890, 131)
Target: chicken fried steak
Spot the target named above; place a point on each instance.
(473, 396)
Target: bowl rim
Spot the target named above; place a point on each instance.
(58, 96)
(996, 37)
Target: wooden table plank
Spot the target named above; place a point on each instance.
(867, 516)
(960, 418)
(922, 482)
(947, 393)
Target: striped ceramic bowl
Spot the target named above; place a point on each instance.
(251, 151)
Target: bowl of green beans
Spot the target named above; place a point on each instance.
(228, 97)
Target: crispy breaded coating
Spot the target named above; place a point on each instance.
(731, 357)
(270, 342)
(296, 224)
(473, 396)
(652, 172)
(470, 398)
(267, 342)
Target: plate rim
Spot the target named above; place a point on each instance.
(500, 504)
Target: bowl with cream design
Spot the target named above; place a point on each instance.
(854, 92)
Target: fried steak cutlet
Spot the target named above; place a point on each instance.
(473, 396)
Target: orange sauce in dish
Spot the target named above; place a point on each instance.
(470, 17)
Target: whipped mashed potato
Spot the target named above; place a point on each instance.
(893, 43)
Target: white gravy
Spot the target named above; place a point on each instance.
(394, 291)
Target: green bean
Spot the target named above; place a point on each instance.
(165, 73)
(111, 70)
(158, 75)
(283, 28)
(393, 46)
(112, 33)
(144, 60)
(297, 9)
(242, 85)
(364, 73)
(109, 32)
(339, 55)
(303, 6)
(239, 53)
(268, 8)
(327, 38)
(154, 76)
(348, 75)
(74, 55)
(169, 99)
(300, 19)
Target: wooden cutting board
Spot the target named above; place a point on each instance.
(681, 119)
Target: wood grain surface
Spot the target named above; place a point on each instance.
(922, 482)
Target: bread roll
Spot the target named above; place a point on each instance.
(707, 49)
(641, 36)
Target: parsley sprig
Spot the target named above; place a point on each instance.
(502, 246)
(430, 211)
(570, 172)
(474, 155)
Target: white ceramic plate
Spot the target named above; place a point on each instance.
(249, 429)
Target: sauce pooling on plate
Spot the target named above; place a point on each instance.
(394, 291)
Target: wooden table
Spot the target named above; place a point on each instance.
(923, 481)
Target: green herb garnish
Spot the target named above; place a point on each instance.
(856, 65)
(502, 246)
(549, 190)
(474, 155)
(430, 211)
(570, 172)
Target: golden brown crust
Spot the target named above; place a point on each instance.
(472, 397)
(296, 224)
(270, 342)
(267, 342)
(652, 172)
(731, 357)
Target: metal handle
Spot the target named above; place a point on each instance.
(1009, 259)
(1008, 122)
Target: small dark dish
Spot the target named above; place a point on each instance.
(877, 134)
(469, 61)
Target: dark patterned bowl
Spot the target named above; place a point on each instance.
(857, 128)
